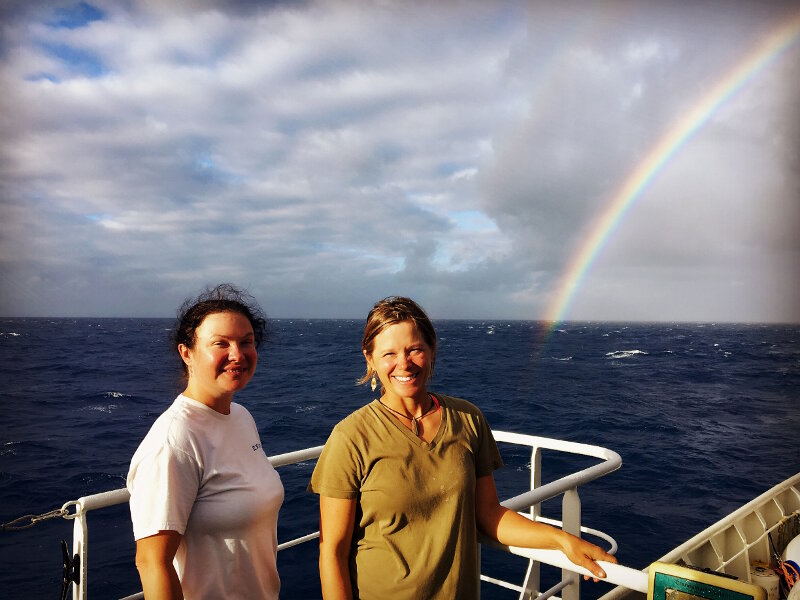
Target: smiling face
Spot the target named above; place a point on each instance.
(402, 360)
(222, 359)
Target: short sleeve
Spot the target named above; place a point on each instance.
(338, 472)
(163, 485)
(488, 458)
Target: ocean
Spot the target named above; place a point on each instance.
(705, 417)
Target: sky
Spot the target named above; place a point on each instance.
(325, 155)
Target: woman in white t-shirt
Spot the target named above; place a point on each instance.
(204, 497)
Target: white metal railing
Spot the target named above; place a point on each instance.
(105, 499)
(571, 518)
(530, 501)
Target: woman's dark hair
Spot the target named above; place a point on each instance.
(222, 298)
(390, 311)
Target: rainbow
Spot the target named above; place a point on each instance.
(766, 52)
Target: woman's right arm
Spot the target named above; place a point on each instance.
(336, 521)
(154, 556)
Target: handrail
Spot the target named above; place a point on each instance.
(571, 509)
(611, 462)
(119, 496)
(616, 574)
(566, 486)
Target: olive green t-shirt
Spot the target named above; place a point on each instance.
(415, 533)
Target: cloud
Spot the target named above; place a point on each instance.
(601, 106)
(325, 154)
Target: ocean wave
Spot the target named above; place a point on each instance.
(639, 408)
(9, 449)
(10, 333)
(108, 408)
(617, 354)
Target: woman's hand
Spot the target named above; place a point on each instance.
(512, 529)
(336, 521)
(154, 556)
(584, 554)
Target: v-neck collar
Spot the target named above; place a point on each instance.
(416, 440)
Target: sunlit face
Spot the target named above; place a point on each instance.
(402, 360)
(223, 359)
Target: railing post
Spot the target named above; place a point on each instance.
(531, 583)
(80, 533)
(571, 523)
(536, 477)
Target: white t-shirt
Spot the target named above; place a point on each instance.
(206, 476)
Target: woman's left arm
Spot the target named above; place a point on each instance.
(512, 529)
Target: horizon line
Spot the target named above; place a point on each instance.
(548, 322)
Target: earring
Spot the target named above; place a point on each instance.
(373, 384)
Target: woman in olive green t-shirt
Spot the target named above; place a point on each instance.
(406, 481)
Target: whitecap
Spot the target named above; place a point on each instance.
(8, 449)
(116, 395)
(625, 354)
(564, 358)
(103, 408)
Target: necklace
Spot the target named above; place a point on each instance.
(415, 420)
